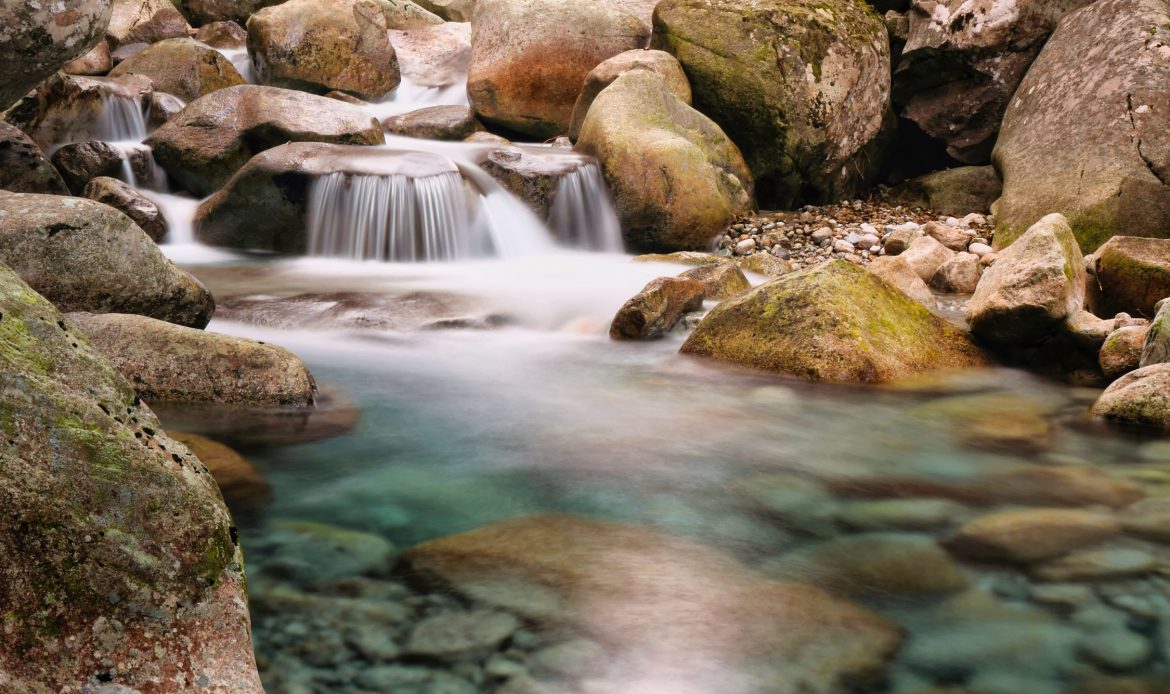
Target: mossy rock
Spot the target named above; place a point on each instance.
(835, 322)
(1132, 275)
(183, 67)
(1139, 399)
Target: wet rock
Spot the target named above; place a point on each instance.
(880, 565)
(1034, 285)
(216, 135)
(81, 162)
(1131, 275)
(1156, 346)
(530, 176)
(958, 275)
(24, 168)
(1070, 138)
(1149, 519)
(1104, 564)
(1140, 399)
(677, 180)
(97, 61)
(182, 67)
(898, 272)
(434, 56)
(1061, 486)
(140, 209)
(163, 107)
(145, 21)
(659, 62)
(526, 72)
(39, 38)
(312, 553)
(901, 514)
(242, 486)
(952, 191)
(170, 362)
(1027, 537)
(67, 108)
(435, 123)
(926, 255)
(720, 280)
(223, 34)
(85, 256)
(624, 584)
(115, 583)
(403, 679)
(1122, 351)
(203, 12)
(656, 309)
(836, 323)
(460, 635)
(804, 94)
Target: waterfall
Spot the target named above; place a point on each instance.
(139, 168)
(120, 119)
(583, 215)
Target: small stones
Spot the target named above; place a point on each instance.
(901, 514)
(458, 635)
(1097, 564)
(1116, 649)
(1031, 536)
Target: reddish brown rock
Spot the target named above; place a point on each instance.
(657, 308)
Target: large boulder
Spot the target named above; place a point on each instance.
(530, 57)
(956, 192)
(24, 168)
(213, 137)
(600, 77)
(435, 56)
(85, 256)
(203, 12)
(676, 179)
(1130, 275)
(1138, 399)
(183, 67)
(962, 62)
(121, 562)
(145, 21)
(686, 612)
(37, 38)
(1088, 132)
(835, 322)
(163, 361)
(68, 108)
(802, 86)
(1032, 289)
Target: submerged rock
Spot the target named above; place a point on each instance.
(98, 581)
(880, 565)
(657, 308)
(182, 67)
(311, 553)
(835, 322)
(454, 636)
(24, 168)
(1140, 398)
(1031, 536)
(38, 38)
(659, 62)
(140, 209)
(1131, 275)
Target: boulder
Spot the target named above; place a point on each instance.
(24, 168)
(121, 561)
(67, 108)
(720, 280)
(531, 176)
(899, 273)
(167, 362)
(97, 61)
(1122, 351)
(1027, 537)
(450, 10)
(435, 56)
(39, 38)
(926, 255)
(224, 34)
(764, 264)
(213, 137)
(163, 107)
(656, 309)
(899, 239)
(139, 208)
(145, 21)
(662, 604)
(530, 57)
(1033, 287)
(954, 192)
(835, 322)
(1086, 134)
(958, 275)
(1130, 275)
(182, 67)
(676, 179)
(81, 162)
(1156, 347)
(242, 485)
(203, 12)
(85, 256)
(600, 77)
(435, 123)
(802, 87)
(1139, 399)
(961, 64)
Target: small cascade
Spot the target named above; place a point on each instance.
(121, 119)
(583, 214)
(139, 168)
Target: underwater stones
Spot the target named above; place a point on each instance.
(803, 88)
(1033, 287)
(242, 486)
(600, 77)
(1140, 399)
(144, 21)
(1085, 133)
(435, 123)
(898, 272)
(1149, 519)
(182, 67)
(836, 323)
(211, 139)
(529, 58)
(68, 108)
(656, 309)
(1131, 275)
(312, 553)
(901, 514)
(24, 168)
(453, 636)
(660, 601)
(720, 280)
(676, 179)
(169, 362)
(1060, 486)
(95, 575)
(1027, 537)
(85, 256)
(955, 192)
(1122, 351)
(38, 38)
(880, 565)
(1101, 564)
(140, 209)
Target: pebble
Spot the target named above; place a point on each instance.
(458, 634)
(1117, 649)
(1098, 564)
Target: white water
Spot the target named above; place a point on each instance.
(120, 119)
(583, 215)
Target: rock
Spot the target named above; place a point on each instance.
(39, 38)
(803, 92)
(898, 272)
(97, 61)
(1088, 331)
(114, 580)
(1156, 347)
(880, 565)
(901, 514)
(676, 179)
(85, 256)
(764, 264)
(656, 309)
(681, 258)
(1122, 351)
(793, 502)
(163, 107)
(949, 236)
(569, 659)
(961, 65)
(900, 239)
(145, 21)
(1119, 650)
(450, 10)
(313, 553)
(140, 209)
(958, 275)
(204, 12)
(66, 108)
(526, 70)
(242, 485)
(835, 322)
(997, 420)
(454, 636)
(952, 191)
(216, 135)
(81, 162)
(1105, 564)
(1140, 398)
(1060, 486)
(1131, 275)
(661, 602)
(182, 67)
(530, 176)
(223, 34)
(1149, 519)
(1027, 537)
(659, 62)
(983, 251)
(24, 168)
(404, 679)
(1034, 285)
(166, 362)
(1085, 133)
(435, 56)
(926, 255)
(720, 280)
(435, 123)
